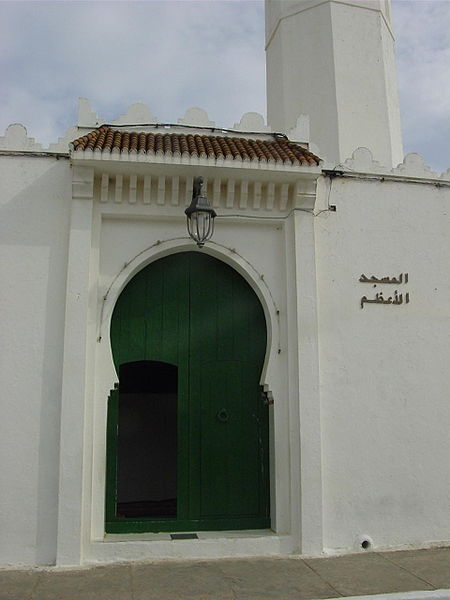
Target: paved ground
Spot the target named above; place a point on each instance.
(284, 578)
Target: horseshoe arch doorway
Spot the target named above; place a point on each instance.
(187, 434)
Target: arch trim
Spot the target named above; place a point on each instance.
(228, 256)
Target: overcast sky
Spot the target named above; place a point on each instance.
(175, 54)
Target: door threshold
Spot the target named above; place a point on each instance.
(200, 535)
(209, 545)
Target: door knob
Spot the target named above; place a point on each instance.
(222, 415)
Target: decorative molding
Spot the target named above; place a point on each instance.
(188, 190)
(414, 165)
(230, 193)
(244, 195)
(257, 193)
(252, 122)
(175, 195)
(270, 195)
(161, 194)
(216, 192)
(133, 189)
(118, 189)
(16, 138)
(104, 188)
(147, 189)
(196, 116)
(170, 193)
(362, 161)
(83, 182)
(137, 113)
(284, 196)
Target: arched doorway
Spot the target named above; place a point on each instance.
(187, 427)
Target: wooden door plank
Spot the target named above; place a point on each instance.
(198, 313)
(111, 458)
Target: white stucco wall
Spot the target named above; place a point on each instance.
(35, 203)
(364, 454)
(384, 371)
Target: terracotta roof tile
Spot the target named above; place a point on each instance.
(280, 149)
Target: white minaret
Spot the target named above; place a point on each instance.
(334, 61)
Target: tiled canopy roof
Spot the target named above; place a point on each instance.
(280, 149)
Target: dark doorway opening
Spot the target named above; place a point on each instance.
(147, 440)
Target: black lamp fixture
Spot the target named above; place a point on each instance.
(199, 215)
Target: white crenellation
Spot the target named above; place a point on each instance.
(196, 116)
(16, 138)
(136, 114)
(252, 122)
(414, 165)
(362, 161)
(87, 118)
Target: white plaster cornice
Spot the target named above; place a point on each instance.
(169, 158)
(164, 193)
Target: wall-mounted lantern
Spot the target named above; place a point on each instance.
(199, 215)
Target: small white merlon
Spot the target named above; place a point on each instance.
(252, 122)
(196, 116)
(136, 114)
(414, 165)
(86, 116)
(16, 138)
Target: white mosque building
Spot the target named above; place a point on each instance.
(283, 388)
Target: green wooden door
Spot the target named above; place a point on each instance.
(198, 314)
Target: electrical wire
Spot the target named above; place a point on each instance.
(213, 129)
